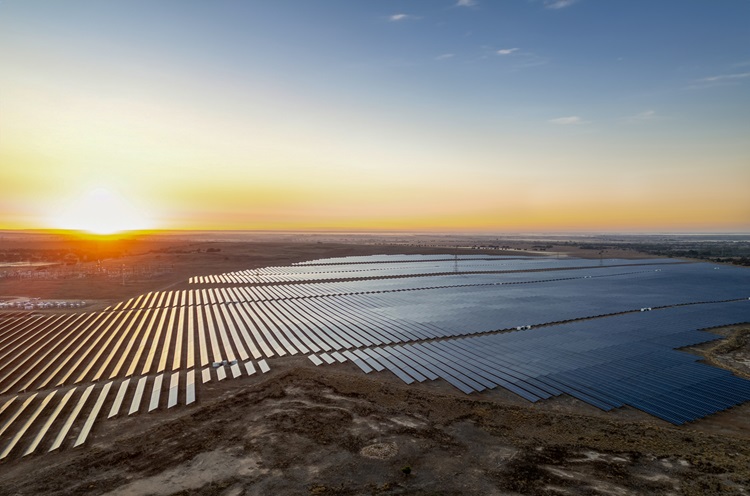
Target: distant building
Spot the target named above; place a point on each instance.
(71, 259)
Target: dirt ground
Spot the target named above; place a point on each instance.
(333, 430)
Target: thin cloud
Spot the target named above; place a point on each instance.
(400, 17)
(572, 120)
(719, 80)
(725, 77)
(466, 3)
(558, 4)
(646, 115)
(511, 59)
(445, 56)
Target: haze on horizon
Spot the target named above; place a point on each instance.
(444, 115)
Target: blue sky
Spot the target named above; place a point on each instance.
(303, 114)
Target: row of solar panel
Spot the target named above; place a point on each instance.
(565, 300)
(74, 348)
(408, 258)
(572, 298)
(70, 348)
(311, 290)
(61, 411)
(305, 273)
(626, 360)
(65, 349)
(448, 261)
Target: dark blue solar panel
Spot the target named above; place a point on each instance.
(394, 307)
(621, 360)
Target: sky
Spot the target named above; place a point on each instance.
(435, 115)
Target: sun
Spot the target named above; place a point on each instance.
(101, 211)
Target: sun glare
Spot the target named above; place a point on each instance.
(102, 212)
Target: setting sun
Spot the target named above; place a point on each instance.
(101, 211)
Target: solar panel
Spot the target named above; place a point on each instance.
(115, 409)
(135, 404)
(83, 435)
(71, 418)
(50, 420)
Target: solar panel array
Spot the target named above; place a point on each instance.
(419, 317)
(627, 359)
(404, 267)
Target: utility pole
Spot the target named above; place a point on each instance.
(455, 261)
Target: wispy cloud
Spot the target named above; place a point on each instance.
(507, 51)
(466, 3)
(558, 4)
(511, 59)
(646, 115)
(726, 77)
(522, 59)
(401, 17)
(445, 56)
(719, 80)
(572, 120)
